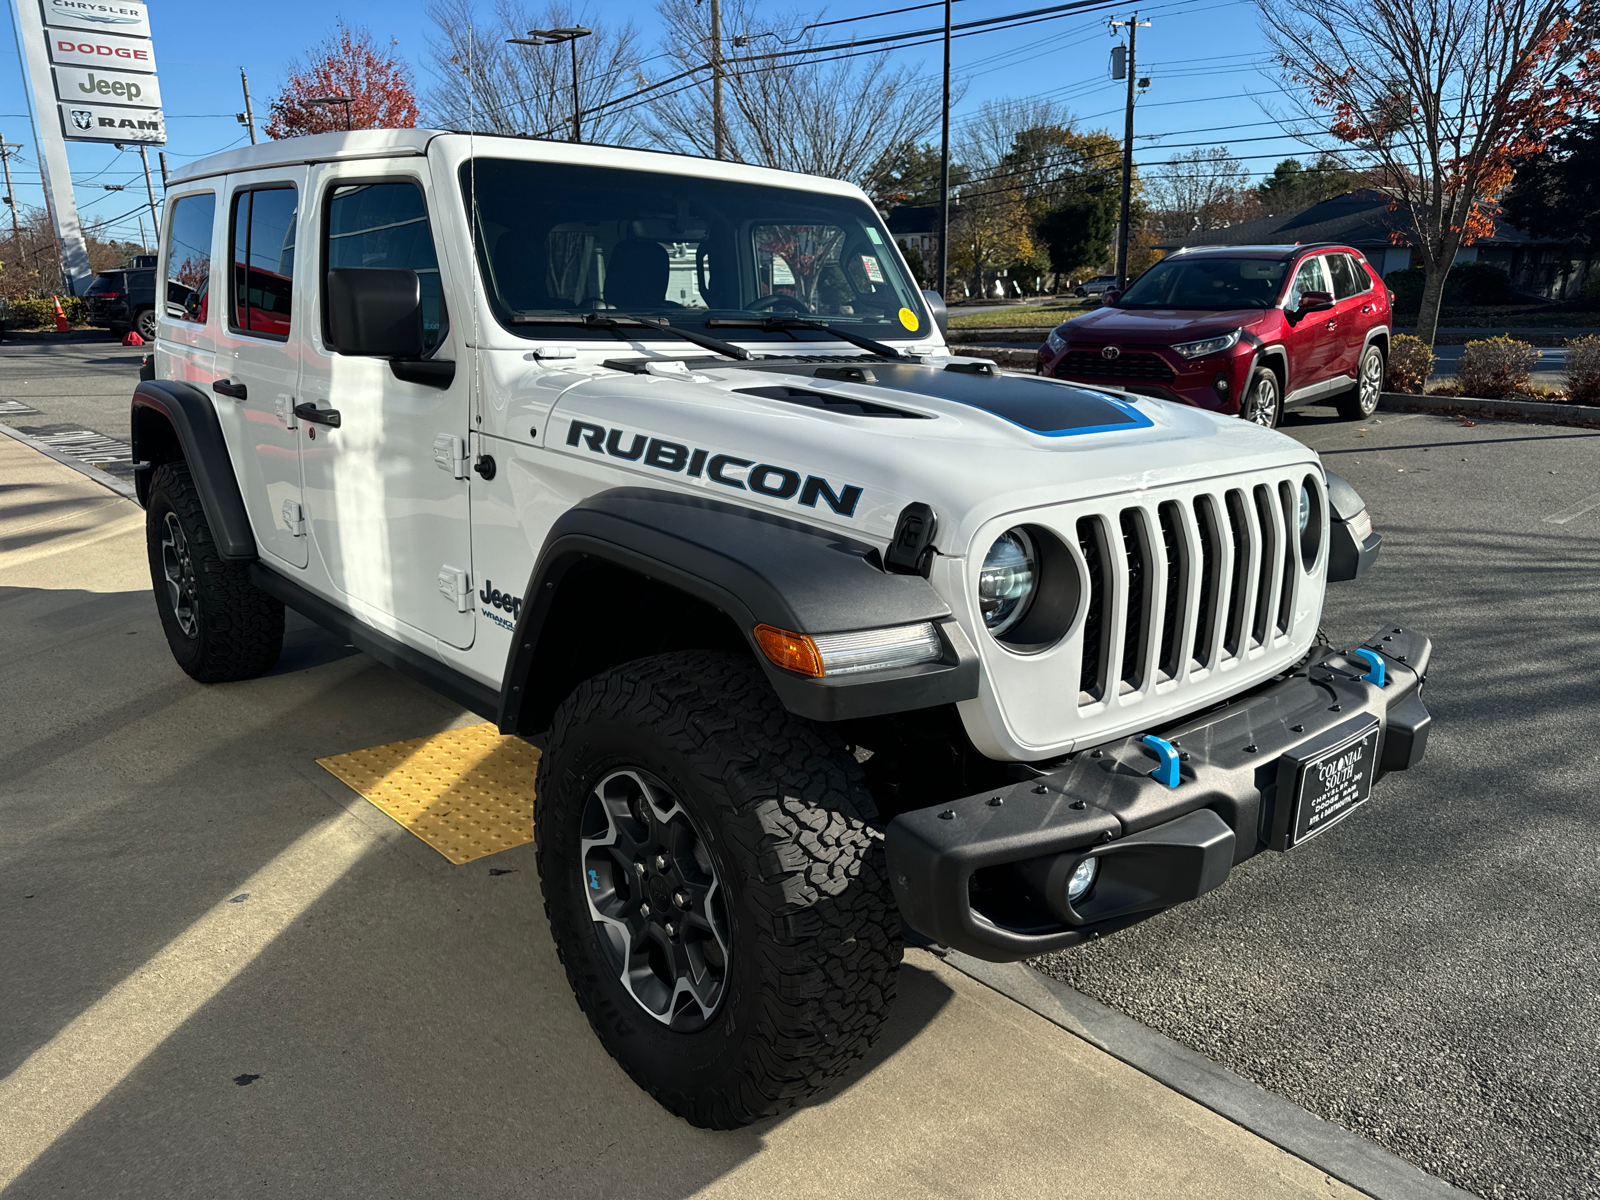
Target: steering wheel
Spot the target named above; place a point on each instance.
(765, 303)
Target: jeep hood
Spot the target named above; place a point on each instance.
(972, 444)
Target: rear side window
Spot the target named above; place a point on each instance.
(263, 260)
(385, 225)
(109, 282)
(1348, 277)
(1311, 277)
(188, 266)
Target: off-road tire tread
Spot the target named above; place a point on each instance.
(241, 627)
(800, 821)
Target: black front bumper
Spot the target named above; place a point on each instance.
(986, 874)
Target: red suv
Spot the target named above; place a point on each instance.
(1247, 330)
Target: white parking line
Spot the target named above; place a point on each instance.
(13, 408)
(1577, 510)
(87, 446)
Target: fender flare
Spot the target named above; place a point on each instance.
(188, 412)
(756, 568)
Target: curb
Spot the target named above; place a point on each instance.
(120, 487)
(1330, 1148)
(1582, 415)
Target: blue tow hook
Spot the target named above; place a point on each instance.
(1375, 672)
(1167, 772)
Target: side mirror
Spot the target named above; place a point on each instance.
(1315, 301)
(1111, 296)
(376, 312)
(941, 314)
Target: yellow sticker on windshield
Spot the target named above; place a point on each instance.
(909, 319)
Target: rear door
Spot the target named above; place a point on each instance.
(257, 380)
(1352, 292)
(387, 489)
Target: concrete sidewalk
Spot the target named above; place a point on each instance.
(224, 971)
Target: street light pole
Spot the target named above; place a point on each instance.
(944, 164)
(554, 37)
(347, 101)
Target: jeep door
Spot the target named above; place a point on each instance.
(387, 488)
(257, 380)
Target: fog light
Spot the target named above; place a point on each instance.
(1221, 385)
(1082, 879)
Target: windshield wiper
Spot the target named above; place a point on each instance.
(776, 324)
(618, 320)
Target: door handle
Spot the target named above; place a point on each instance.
(318, 416)
(224, 387)
(1366, 308)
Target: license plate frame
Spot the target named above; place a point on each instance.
(1325, 779)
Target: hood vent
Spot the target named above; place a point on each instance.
(848, 405)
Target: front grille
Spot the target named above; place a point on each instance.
(1179, 586)
(1130, 364)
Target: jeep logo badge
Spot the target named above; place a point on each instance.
(1109, 352)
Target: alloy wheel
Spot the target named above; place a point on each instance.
(1371, 382)
(146, 324)
(177, 565)
(1261, 405)
(655, 898)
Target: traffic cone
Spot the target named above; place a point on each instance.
(132, 338)
(61, 317)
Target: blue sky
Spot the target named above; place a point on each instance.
(1207, 58)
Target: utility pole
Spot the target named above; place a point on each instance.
(717, 137)
(149, 188)
(163, 156)
(247, 118)
(1133, 25)
(11, 197)
(944, 165)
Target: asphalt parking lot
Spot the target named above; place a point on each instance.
(1425, 975)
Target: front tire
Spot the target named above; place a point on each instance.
(1262, 403)
(717, 893)
(220, 626)
(1362, 400)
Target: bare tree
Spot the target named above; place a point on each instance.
(826, 115)
(1447, 98)
(990, 135)
(484, 84)
(1203, 189)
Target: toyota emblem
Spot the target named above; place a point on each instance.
(1109, 351)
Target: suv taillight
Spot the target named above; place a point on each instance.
(107, 295)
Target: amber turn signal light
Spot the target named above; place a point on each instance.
(793, 651)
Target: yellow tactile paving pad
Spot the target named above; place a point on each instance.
(466, 792)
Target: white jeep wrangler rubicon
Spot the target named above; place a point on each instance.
(824, 632)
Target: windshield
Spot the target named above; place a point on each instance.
(1207, 283)
(561, 241)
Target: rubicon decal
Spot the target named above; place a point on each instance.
(729, 470)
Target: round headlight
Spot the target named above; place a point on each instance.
(1305, 508)
(1082, 878)
(1007, 581)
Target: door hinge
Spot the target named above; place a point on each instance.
(456, 584)
(450, 454)
(294, 518)
(284, 407)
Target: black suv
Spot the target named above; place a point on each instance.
(124, 299)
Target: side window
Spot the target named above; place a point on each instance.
(1311, 277)
(1348, 278)
(262, 260)
(385, 225)
(188, 265)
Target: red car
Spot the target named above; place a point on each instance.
(1246, 330)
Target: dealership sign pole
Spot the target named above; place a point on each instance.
(98, 56)
(53, 168)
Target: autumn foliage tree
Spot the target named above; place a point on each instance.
(348, 63)
(1446, 98)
